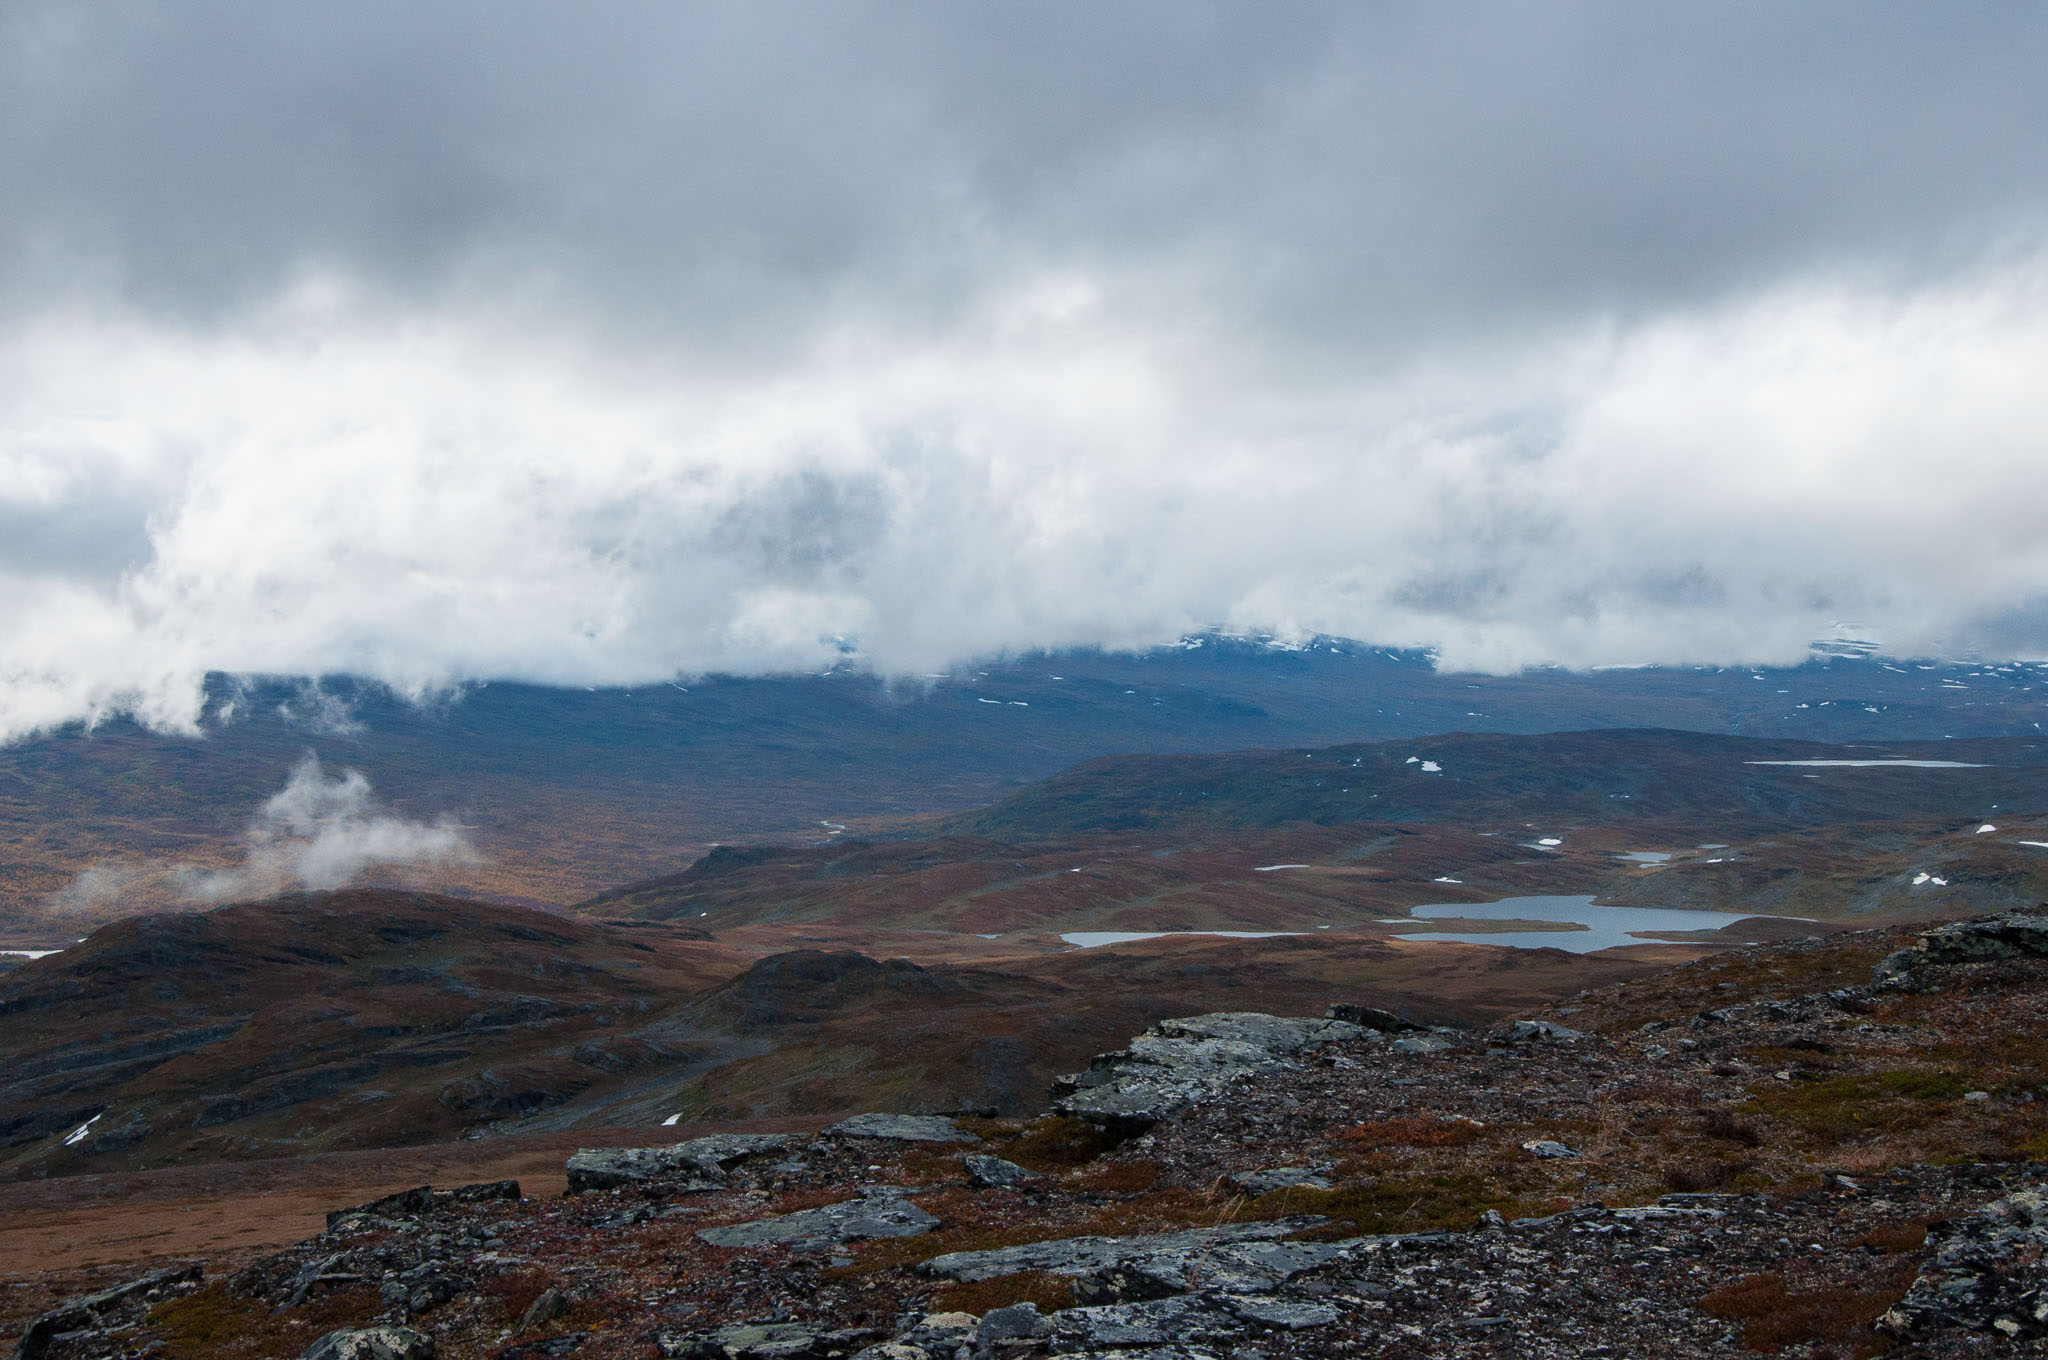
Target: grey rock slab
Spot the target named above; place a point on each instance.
(1283, 1178)
(701, 1161)
(855, 1220)
(1198, 1318)
(1421, 1045)
(1087, 1255)
(1547, 1147)
(903, 1128)
(995, 1173)
(371, 1343)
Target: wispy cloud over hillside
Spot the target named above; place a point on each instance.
(428, 345)
(317, 832)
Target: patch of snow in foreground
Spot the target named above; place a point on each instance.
(79, 1134)
(2038, 845)
(1923, 877)
(1431, 767)
(1986, 827)
(1269, 868)
(1549, 840)
(1447, 879)
(675, 1118)
(45, 953)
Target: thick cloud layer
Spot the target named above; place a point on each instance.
(601, 346)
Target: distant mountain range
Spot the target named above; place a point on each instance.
(563, 793)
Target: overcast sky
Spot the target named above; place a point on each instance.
(604, 343)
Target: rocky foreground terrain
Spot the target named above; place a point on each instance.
(1832, 1147)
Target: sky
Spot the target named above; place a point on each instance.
(609, 343)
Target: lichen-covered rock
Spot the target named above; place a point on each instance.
(883, 1213)
(1214, 1318)
(903, 1128)
(371, 1343)
(1179, 1063)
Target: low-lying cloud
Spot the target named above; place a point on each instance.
(428, 346)
(318, 832)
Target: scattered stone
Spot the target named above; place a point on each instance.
(371, 1343)
(995, 1173)
(1282, 1178)
(884, 1213)
(1421, 1045)
(903, 1128)
(1547, 1147)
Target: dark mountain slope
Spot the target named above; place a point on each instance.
(1599, 778)
(332, 1020)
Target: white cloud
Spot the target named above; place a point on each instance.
(428, 497)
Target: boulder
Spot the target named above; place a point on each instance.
(371, 1343)
(995, 1173)
(1524, 1030)
(1980, 941)
(902, 1128)
(1547, 1147)
(884, 1213)
(1372, 1018)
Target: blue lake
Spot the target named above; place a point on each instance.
(1604, 927)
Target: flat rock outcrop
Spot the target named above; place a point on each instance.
(1178, 1063)
(699, 1162)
